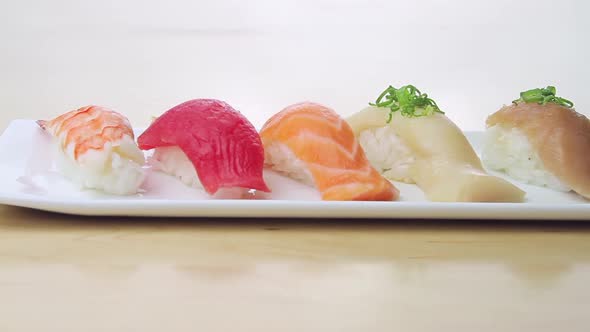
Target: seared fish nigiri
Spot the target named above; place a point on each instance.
(540, 139)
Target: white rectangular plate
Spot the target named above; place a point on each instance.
(28, 179)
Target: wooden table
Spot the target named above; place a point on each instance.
(64, 273)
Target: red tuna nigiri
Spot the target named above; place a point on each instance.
(206, 142)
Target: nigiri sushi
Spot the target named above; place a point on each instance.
(540, 139)
(207, 144)
(409, 139)
(97, 150)
(311, 143)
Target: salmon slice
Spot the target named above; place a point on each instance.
(559, 135)
(321, 149)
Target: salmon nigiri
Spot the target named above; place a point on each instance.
(207, 144)
(96, 149)
(540, 139)
(408, 138)
(313, 144)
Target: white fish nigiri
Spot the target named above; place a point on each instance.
(409, 139)
(96, 149)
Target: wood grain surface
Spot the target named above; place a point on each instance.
(65, 273)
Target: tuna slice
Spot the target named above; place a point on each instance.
(223, 146)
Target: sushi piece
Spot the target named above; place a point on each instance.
(207, 144)
(409, 139)
(311, 143)
(96, 149)
(540, 139)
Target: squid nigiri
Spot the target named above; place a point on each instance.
(311, 143)
(207, 144)
(540, 139)
(409, 139)
(96, 149)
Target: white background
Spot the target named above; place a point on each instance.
(142, 58)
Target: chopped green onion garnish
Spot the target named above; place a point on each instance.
(408, 100)
(542, 97)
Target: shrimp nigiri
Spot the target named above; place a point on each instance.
(97, 150)
(311, 143)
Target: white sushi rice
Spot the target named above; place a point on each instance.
(280, 158)
(509, 151)
(116, 169)
(173, 161)
(387, 153)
